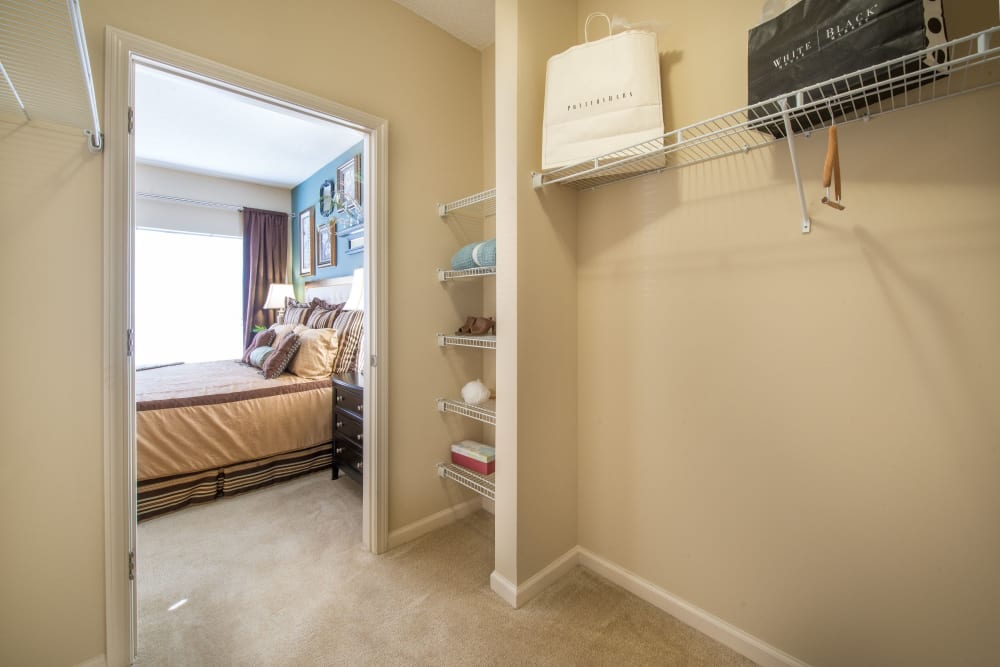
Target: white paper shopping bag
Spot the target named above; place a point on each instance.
(601, 96)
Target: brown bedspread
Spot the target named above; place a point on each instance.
(203, 416)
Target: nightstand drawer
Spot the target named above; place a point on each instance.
(348, 427)
(349, 399)
(347, 454)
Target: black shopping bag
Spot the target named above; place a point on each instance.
(817, 40)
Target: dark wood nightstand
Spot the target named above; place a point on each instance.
(348, 426)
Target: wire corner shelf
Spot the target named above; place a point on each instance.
(480, 205)
(481, 484)
(458, 340)
(444, 275)
(485, 413)
(918, 78)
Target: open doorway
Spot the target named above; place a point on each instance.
(127, 56)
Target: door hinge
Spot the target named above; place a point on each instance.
(131, 566)
(129, 343)
(373, 360)
(131, 120)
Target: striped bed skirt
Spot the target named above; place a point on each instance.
(159, 496)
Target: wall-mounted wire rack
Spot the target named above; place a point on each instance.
(478, 272)
(890, 86)
(45, 66)
(481, 204)
(478, 342)
(481, 484)
(482, 413)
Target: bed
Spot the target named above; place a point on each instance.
(211, 429)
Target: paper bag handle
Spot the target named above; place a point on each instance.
(586, 26)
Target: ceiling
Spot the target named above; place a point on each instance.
(469, 20)
(191, 126)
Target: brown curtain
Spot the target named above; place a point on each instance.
(265, 261)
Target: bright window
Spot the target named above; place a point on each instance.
(188, 296)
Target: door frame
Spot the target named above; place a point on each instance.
(122, 50)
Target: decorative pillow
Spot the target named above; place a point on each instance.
(296, 312)
(350, 324)
(323, 314)
(280, 331)
(317, 354)
(260, 355)
(265, 337)
(276, 362)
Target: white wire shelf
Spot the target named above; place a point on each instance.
(45, 66)
(479, 205)
(487, 415)
(480, 342)
(890, 86)
(478, 272)
(481, 484)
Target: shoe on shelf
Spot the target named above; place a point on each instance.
(466, 328)
(483, 326)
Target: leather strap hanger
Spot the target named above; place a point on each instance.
(831, 171)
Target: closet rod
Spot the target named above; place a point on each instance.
(189, 202)
(199, 202)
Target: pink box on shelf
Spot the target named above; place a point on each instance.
(474, 456)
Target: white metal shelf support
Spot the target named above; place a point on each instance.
(786, 116)
(95, 137)
(475, 412)
(481, 484)
(484, 203)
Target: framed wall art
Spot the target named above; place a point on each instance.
(326, 246)
(326, 198)
(307, 241)
(349, 180)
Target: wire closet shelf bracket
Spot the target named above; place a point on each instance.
(896, 84)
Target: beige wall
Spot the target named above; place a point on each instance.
(489, 288)
(799, 434)
(51, 499)
(372, 55)
(159, 214)
(536, 354)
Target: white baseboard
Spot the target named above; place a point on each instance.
(433, 522)
(96, 661)
(729, 635)
(504, 588)
(725, 633)
(516, 596)
(547, 576)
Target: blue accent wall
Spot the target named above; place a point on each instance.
(306, 194)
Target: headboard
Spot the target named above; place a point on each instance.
(331, 290)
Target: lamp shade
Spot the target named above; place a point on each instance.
(276, 294)
(356, 299)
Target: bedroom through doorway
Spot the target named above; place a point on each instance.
(211, 163)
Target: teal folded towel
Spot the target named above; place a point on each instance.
(463, 258)
(485, 254)
(482, 253)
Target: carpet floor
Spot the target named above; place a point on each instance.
(278, 577)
